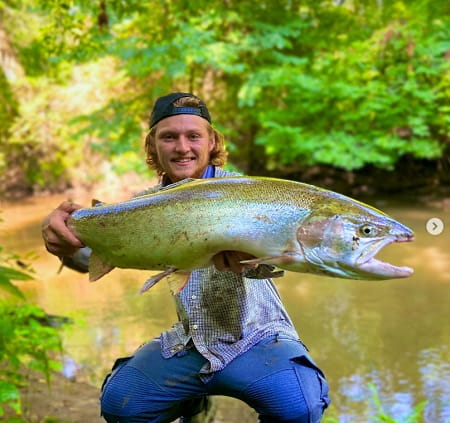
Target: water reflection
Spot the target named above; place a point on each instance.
(392, 334)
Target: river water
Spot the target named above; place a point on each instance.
(394, 335)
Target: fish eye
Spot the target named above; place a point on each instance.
(367, 230)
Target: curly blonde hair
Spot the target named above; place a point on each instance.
(217, 157)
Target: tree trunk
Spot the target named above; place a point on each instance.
(8, 59)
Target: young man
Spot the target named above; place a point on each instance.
(233, 337)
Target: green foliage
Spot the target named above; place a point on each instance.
(8, 109)
(10, 272)
(27, 341)
(120, 123)
(7, 275)
(415, 417)
(302, 83)
(369, 90)
(381, 416)
(33, 146)
(372, 104)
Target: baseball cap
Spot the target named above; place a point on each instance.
(164, 108)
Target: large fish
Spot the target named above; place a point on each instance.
(291, 225)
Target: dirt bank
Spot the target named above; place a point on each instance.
(68, 401)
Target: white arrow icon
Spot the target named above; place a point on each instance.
(435, 226)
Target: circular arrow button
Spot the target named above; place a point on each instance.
(435, 226)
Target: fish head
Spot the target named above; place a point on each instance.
(345, 244)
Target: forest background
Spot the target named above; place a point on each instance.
(346, 94)
(350, 95)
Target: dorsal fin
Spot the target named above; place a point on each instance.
(176, 184)
(96, 203)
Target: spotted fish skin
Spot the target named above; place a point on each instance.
(295, 226)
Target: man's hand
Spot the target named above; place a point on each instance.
(59, 239)
(231, 260)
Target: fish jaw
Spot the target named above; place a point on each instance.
(382, 270)
(337, 246)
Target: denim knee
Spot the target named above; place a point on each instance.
(313, 385)
(295, 395)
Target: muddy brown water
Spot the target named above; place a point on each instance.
(394, 335)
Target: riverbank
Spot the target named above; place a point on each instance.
(67, 401)
(416, 180)
(64, 401)
(117, 321)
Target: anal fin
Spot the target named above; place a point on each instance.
(98, 268)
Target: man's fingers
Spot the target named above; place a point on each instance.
(69, 206)
(219, 262)
(59, 239)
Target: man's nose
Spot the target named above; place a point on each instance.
(182, 144)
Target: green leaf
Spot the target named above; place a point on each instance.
(8, 392)
(13, 274)
(7, 286)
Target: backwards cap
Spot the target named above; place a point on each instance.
(164, 108)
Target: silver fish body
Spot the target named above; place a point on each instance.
(292, 225)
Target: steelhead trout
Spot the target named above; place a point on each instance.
(292, 225)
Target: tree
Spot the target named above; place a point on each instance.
(292, 84)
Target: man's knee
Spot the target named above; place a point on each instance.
(289, 396)
(130, 396)
(313, 386)
(127, 393)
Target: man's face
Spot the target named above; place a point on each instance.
(183, 145)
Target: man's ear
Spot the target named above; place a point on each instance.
(212, 143)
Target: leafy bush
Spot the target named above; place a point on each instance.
(347, 84)
(27, 341)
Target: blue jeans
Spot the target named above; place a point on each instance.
(276, 377)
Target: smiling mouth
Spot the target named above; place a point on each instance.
(380, 269)
(184, 160)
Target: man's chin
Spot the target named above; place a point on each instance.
(180, 175)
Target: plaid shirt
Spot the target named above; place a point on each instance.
(223, 314)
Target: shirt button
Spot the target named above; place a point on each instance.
(195, 327)
(194, 297)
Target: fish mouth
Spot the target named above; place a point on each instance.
(380, 269)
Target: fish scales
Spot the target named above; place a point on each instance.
(293, 225)
(196, 222)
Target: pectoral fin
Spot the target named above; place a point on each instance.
(155, 279)
(98, 268)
